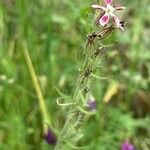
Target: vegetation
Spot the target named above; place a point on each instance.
(55, 33)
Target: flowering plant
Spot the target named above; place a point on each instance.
(78, 111)
(108, 11)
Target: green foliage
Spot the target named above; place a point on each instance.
(56, 33)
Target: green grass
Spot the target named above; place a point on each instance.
(55, 32)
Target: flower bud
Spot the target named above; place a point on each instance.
(91, 104)
(50, 137)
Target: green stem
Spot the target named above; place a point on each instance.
(42, 105)
(68, 122)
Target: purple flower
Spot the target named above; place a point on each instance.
(91, 104)
(108, 11)
(127, 146)
(50, 137)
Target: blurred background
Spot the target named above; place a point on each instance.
(56, 32)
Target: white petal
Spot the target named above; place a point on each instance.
(98, 7)
(117, 22)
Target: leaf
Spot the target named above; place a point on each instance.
(85, 111)
(63, 96)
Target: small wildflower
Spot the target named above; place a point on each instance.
(91, 104)
(50, 137)
(108, 11)
(127, 146)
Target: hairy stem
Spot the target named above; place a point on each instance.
(77, 112)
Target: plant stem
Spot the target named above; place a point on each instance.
(84, 81)
(42, 105)
(68, 121)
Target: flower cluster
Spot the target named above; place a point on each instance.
(108, 11)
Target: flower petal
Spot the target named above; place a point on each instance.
(98, 7)
(117, 22)
(98, 18)
(108, 2)
(104, 19)
(120, 8)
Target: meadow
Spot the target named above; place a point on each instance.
(54, 34)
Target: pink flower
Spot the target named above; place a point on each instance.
(109, 11)
(127, 146)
